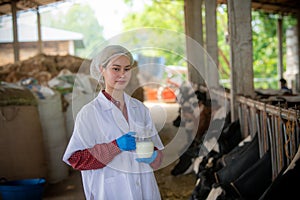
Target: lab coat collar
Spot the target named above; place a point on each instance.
(120, 119)
(107, 104)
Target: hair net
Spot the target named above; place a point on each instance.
(104, 56)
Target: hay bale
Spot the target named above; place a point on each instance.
(32, 67)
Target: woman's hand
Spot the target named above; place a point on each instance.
(126, 142)
(148, 160)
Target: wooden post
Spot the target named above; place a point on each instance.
(194, 32)
(40, 44)
(240, 39)
(297, 78)
(212, 42)
(279, 45)
(15, 31)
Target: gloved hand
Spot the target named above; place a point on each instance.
(127, 142)
(148, 160)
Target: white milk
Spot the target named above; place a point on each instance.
(144, 149)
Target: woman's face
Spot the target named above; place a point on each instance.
(117, 73)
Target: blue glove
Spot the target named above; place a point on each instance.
(127, 142)
(148, 160)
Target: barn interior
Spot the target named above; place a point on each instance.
(257, 141)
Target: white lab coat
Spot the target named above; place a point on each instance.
(123, 178)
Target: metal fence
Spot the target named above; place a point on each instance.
(277, 128)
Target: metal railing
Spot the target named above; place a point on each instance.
(277, 128)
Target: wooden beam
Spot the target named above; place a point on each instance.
(15, 31)
(283, 7)
(276, 8)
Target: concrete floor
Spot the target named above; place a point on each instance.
(173, 188)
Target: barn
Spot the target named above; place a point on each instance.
(252, 137)
(55, 42)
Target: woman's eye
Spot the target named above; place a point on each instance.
(116, 69)
(127, 69)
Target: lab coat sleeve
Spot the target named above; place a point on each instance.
(85, 138)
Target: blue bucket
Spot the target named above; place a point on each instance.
(26, 189)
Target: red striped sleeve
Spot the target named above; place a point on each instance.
(96, 157)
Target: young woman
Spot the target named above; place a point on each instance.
(103, 143)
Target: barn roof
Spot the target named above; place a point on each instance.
(273, 6)
(24, 5)
(285, 7)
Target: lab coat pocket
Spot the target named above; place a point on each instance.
(117, 188)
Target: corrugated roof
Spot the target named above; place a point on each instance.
(22, 5)
(274, 6)
(29, 33)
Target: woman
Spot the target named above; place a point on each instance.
(103, 142)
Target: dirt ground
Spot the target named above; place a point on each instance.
(171, 188)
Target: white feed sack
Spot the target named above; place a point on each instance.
(54, 135)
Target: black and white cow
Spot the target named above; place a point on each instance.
(285, 184)
(238, 162)
(255, 180)
(205, 175)
(186, 160)
(250, 185)
(208, 165)
(230, 137)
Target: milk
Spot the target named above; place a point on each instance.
(144, 149)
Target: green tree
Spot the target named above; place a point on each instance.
(265, 46)
(79, 18)
(165, 15)
(170, 15)
(223, 45)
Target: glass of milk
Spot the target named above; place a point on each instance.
(144, 145)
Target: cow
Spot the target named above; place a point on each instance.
(216, 127)
(249, 185)
(203, 184)
(229, 157)
(239, 162)
(231, 136)
(185, 164)
(255, 180)
(208, 164)
(285, 186)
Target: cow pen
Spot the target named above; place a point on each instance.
(276, 124)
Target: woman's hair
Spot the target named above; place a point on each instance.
(105, 56)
